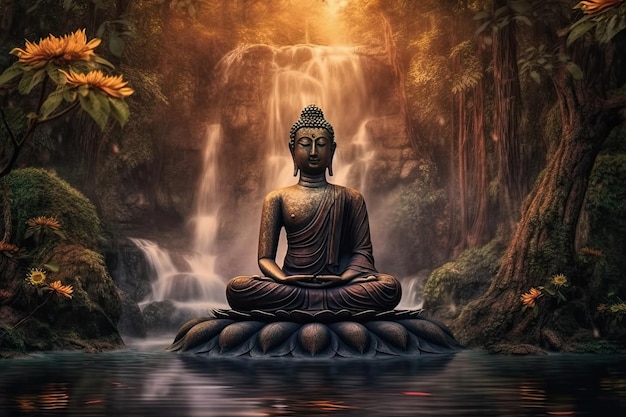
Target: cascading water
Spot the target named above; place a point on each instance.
(330, 77)
(333, 79)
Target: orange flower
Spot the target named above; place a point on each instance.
(49, 222)
(113, 86)
(62, 290)
(593, 7)
(8, 247)
(601, 308)
(529, 298)
(72, 47)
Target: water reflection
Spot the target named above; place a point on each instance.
(154, 383)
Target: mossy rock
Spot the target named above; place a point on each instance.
(454, 284)
(36, 192)
(38, 317)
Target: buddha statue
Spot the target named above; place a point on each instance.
(329, 263)
(327, 300)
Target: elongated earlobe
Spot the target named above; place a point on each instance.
(332, 156)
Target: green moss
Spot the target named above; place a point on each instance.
(49, 321)
(601, 258)
(36, 192)
(455, 284)
(85, 270)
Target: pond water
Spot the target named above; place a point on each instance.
(143, 380)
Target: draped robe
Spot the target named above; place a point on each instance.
(337, 238)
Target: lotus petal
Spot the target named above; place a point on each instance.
(430, 331)
(203, 332)
(237, 333)
(354, 335)
(187, 326)
(314, 338)
(389, 332)
(275, 334)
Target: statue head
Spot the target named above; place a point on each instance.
(312, 122)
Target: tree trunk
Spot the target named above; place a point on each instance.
(507, 103)
(543, 243)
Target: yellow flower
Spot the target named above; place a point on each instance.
(36, 276)
(113, 86)
(72, 47)
(560, 280)
(529, 298)
(49, 222)
(62, 290)
(593, 7)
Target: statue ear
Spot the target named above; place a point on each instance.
(332, 155)
(295, 167)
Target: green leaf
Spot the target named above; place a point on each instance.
(53, 72)
(25, 82)
(500, 11)
(102, 61)
(578, 29)
(92, 105)
(30, 80)
(575, 70)
(119, 110)
(69, 95)
(481, 15)
(482, 27)
(83, 90)
(52, 267)
(101, 29)
(535, 76)
(52, 102)
(116, 45)
(13, 71)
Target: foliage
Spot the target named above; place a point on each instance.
(470, 65)
(418, 207)
(605, 213)
(612, 314)
(602, 18)
(513, 11)
(537, 59)
(606, 195)
(66, 72)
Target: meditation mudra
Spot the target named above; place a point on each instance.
(329, 263)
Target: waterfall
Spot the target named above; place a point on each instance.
(333, 79)
(330, 77)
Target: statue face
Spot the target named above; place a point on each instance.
(313, 150)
